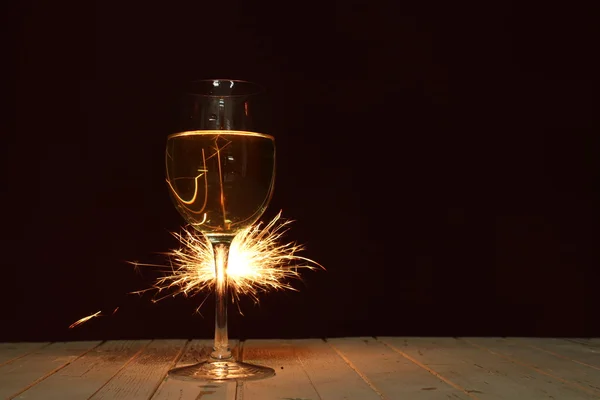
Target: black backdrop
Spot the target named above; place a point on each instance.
(440, 160)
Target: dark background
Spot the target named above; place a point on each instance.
(440, 160)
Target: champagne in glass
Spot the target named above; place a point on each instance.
(220, 172)
(222, 181)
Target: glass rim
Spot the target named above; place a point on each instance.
(253, 87)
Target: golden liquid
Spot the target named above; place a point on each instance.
(220, 181)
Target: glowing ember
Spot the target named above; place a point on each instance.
(257, 262)
(84, 319)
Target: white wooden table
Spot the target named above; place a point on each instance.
(343, 368)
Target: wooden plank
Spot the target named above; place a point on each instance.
(140, 378)
(22, 373)
(87, 374)
(483, 374)
(331, 376)
(290, 381)
(13, 351)
(196, 351)
(391, 374)
(566, 349)
(575, 375)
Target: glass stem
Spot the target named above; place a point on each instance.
(221, 349)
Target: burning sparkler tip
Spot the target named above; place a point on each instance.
(258, 263)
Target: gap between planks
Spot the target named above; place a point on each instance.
(33, 350)
(239, 385)
(45, 376)
(531, 366)
(136, 355)
(355, 369)
(173, 364)
(428, 369)
(563, 356)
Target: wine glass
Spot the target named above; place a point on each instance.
(220, 172)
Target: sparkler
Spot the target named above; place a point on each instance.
(84, 319)
(258, 263)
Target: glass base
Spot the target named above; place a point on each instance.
(220, 370)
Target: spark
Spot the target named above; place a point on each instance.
(84, 319)
(257, 263)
